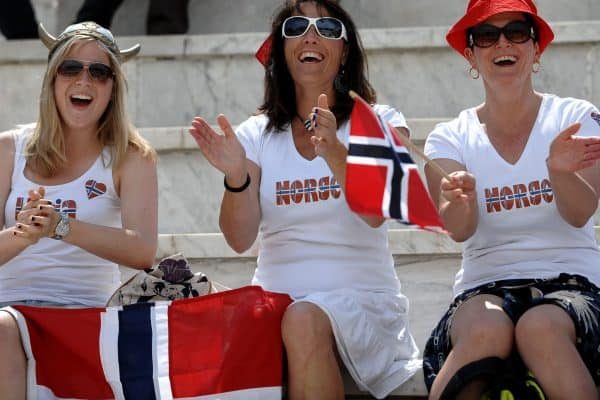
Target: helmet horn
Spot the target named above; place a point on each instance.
(129, 53)
(48, 40)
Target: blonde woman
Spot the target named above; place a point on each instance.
(78, 190)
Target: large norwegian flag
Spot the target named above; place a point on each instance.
(221, 346)
(381, 177)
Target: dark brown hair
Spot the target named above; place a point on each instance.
(280, 97)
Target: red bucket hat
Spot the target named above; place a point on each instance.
(480, 10)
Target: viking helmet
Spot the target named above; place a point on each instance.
(90, 29)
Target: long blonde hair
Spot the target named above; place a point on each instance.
(45, 150)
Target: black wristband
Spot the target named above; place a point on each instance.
(237, 189)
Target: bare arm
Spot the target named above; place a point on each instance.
(135, 244)
(10, 245)
(240, 211)
(456, 199)
(575, 175)
(328, 146)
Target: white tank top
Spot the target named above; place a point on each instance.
(52, 270)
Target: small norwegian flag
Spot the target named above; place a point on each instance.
(381, 177)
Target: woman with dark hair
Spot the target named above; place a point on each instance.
(284, 180)
(522, 193)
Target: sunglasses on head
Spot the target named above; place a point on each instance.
(98, 72)
(326, 27)
(487, 35)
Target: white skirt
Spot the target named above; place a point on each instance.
(372, 336)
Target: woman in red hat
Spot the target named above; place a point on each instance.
(523, 188)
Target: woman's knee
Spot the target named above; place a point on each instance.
(484, 328)
(304, 325)
(10, 340)
(542, 324)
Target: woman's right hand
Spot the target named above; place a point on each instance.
(224, 152)
(460, 187)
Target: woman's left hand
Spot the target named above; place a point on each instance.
(569, 153)
(43, 217)
(324, 129)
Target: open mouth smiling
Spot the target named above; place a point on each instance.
(310, 57)
(505, 60)
(81, 100)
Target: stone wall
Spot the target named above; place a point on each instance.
(228, 16)
(178, 77)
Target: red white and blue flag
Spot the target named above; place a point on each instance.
(221, 346)
(381, 177)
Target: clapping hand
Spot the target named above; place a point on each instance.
(37, 218)
(224, 152)
(569, 153)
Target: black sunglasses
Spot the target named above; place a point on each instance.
(487, 35)
(98, 72)
(327, 27)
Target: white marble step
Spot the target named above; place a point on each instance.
(402, 242)
(190, 189)
(178, 77)
(175, 138)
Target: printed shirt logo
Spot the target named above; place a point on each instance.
(596, 117)
(94, 189)
(519, 195)
(68, 207)
(306, 191)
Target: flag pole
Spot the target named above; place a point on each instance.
(410, 145)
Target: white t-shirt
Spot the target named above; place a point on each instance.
(53, 270)
(310, 240)
(520, 233)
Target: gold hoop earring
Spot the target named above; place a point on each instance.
(474, 73)
(536, 67)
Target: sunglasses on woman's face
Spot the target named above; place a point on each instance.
(487, 35)
(98, 72)
(326, 27)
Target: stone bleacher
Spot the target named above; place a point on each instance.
(208, 72)
(412, 69)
